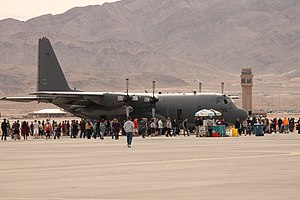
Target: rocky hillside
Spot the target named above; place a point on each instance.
(176, 43)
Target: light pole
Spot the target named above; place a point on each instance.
(200, 87)
(222, 87)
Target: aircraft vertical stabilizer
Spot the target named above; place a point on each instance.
(50, 74)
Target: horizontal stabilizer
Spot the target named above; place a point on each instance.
(66, 93)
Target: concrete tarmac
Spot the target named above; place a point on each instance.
(246, 167)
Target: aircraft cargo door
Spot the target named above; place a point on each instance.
(179, 115)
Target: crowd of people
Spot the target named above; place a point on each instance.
(275, 125)
(88, 129)
(140, 127)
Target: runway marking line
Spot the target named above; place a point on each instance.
(157, 162)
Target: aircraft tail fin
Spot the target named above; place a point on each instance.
(50, 74)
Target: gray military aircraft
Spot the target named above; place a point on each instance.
(52, 87)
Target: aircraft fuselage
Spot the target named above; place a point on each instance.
(179, 106)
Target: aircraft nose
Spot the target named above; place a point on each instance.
(243, 114)
(234, 114)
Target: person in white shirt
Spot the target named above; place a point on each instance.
(169, 127)
(35, 129)
(160, 126)
(128, 127)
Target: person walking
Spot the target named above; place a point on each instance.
(152, 127)
(89, 129)
(175, 127)
(107, 127)
(197, 126)
(82, 129)
(4, 128)
(143, 126)
(286, 124)
(168, 127)
(298, 126)
(96, 129)
(31, 128)
(75, 128)
(35, 129)
(128, 127)
(185, 127)
(116, 127)
(209, 124)
(9, 129)
(135, 127)
(57, 130)
(41, 130)
(237, 125)
(48, 130)
(280, 126)
(16, 130)
(160, 125)
(102, 126)
(25, 130)
(292, 125)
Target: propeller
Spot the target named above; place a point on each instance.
(153, 99)
(127, 98)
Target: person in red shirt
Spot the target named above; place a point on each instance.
(135, 127)
(48, 130)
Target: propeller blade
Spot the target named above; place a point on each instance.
(127, 98)
(153, 99)
(127, 85)
(153, 87)
(153, 112)
(127, 111)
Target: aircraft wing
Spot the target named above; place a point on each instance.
(88, 95)
(77, 97)
(28, 99)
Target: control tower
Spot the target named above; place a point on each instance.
(247, 84)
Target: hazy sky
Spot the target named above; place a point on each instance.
(26, 9)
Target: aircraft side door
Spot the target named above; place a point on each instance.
(179, 115)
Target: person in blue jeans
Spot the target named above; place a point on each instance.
(128, 127)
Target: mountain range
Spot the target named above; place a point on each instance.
(177, 43)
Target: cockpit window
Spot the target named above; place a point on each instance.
(228, 100)
(224, 100)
